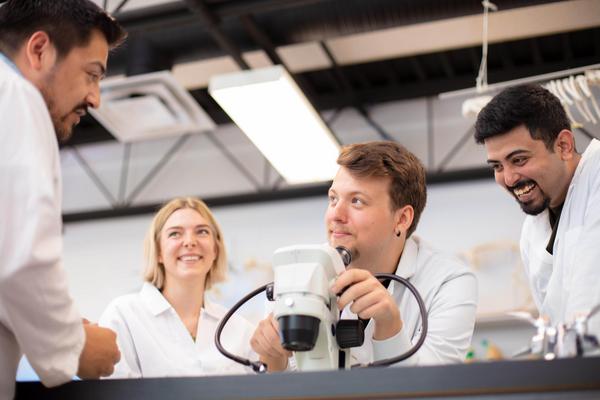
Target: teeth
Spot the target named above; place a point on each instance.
(524, 190)
(189, 258)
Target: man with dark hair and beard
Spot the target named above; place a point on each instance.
(531, 149)
(52, 56)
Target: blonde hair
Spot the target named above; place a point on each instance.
(154, 270)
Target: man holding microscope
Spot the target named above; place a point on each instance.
(375, 202)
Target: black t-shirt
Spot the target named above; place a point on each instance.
(554, 216)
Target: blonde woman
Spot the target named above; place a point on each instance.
(167, 329)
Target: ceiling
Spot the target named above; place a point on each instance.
(398, 49)
(349, 57)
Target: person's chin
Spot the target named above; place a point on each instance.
(533, 207)
(64, 132)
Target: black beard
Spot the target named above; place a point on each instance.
(527, 208)
(532, 210)
(62, 132)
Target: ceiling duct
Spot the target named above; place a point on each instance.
(149, 106)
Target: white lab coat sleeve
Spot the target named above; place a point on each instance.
(34, 296)
(393, 347)
(524, 248)
(583, 243)
(451, 318)
(129, 366)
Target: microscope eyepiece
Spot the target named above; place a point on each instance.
(345, 254)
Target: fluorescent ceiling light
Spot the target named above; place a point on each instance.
(149, 106)
(267, 105)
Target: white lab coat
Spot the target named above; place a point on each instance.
(154, 342)
(449, 291)
(566, 282)
(37, 315)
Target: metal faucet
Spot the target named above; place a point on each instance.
(562, 340)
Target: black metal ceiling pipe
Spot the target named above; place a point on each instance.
(143, 57)
(173, 25)
(200, 8)
(349, 89)
(346, 16)
(237, 8)
(261, 39)
(174, 13)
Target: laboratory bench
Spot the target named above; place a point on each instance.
(527, 379)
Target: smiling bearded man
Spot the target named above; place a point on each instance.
(531, 149)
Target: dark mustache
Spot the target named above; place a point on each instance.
(81, 107)
(522, 184)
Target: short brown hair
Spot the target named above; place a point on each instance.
(384, 158)
(155, 271)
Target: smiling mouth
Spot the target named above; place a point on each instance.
(523, 190)
(190, 258)
(339, 233)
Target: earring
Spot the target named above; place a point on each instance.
(398, 233)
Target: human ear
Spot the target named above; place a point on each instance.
(40, 52)
(404, 217)
(564, 145)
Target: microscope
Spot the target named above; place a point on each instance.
(307, 312)
(306, 309)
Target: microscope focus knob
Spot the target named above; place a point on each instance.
(350, 333)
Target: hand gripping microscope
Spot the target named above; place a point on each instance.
(307, 312)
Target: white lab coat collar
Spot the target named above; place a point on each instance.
(213, 310)
(408, 260)
(10, 63)
(592, 148)
(407, 265)
(154, 299)
(157, 304)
